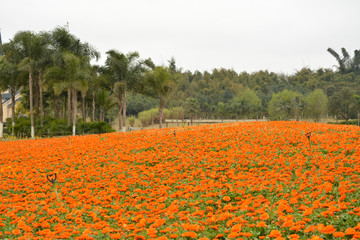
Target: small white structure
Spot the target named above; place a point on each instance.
(6, 103)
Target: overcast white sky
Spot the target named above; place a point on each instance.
(275, 35)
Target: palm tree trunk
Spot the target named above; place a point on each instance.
(69, 107)
(161, 106)
(93, 107)
(36, 99)
(83, 107)
(74, 103)
(12, 93)
(1, 117)
(31, 106)
(101, 115)
(124, 112)
(41, 100)
(63, 107)
(56, 107)
(119, 110)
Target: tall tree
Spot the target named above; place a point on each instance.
(11, 74)
(124, 72)
(70, 76)
(161, 84)
(286, 104)
(104, 102)
(346, 63)
(31, 47)
(64, 42)
(192, 108)
(10, 78)
(43, 62)
(245, 104)
(342, 104)
(316, 105)
(94, 83)
(83, 87)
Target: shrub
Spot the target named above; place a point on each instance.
(151, 116)
(22, 127)
(132, 121)
(93, 127)
(57, 127)
(350, 122)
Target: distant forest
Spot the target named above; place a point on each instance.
(54, 73)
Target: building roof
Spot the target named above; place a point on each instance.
(5, 96)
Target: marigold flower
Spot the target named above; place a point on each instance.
(233, 235)
(264, 216)
(189, 234)
(162, 238)
(329, 229)
(227, 198)
(338, 234)
(350, 231)
(16, 231)
(275, 233)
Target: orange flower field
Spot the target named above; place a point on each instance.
(226, 181)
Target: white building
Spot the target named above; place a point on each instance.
(6, 103)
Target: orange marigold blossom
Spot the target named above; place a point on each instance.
(338, 234)
(328, 229)
(16, 231)
(275, 234)
(189, 234)
(264, 216)
(226, 198)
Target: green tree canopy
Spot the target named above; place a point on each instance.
(285, 105)
(343, 104)
(246, 104)
(316, 105)
(160, 83)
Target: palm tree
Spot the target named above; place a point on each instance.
(126, 70)
(70, 75)
(11, 77)
(346, 63)
(62, 41)
(161, 84)
(119, 89)
(42, 63)
(9, 80)
(93, 85)
(104, 103)
(31, 47)
(83, 87)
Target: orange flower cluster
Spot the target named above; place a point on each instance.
(225, 181)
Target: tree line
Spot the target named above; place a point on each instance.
(53, 70)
